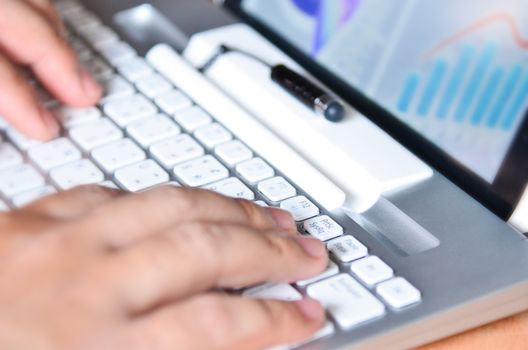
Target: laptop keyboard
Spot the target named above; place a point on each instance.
(146, 133)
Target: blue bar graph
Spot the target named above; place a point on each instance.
(475, 82)
(515, 110)
(487, 96)
(476, 89)
(432, 88)
(500, 105)
(455, 84)
(411, 85)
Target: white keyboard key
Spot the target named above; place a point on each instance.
(99, 69)
(3, 124)
(22, 142)
(19, 179)
(349, 303)
(141, 176)
(233, 152)
(399, 293)
(255, 170)
(176, 150)
(300, 207)
(82, 172)
(115, 88)
(54, 153)
(81, 19)
(280, 291)
(70, 116)
(347, 248)
(330, 271)
(109, 184)
(96, 133)
(4, 207)
(262, 204)
(323, 227)
(9, 156)
(201, 171)
(153, 129)
(26, 198)
(98, 35)
(116, 52)
(153, 85)
(372, 270)
(173, 101)
(327, 330)
(128, 109)
(134, 69)
(66, 6)
(232, 187)
(117, 155)
(277, 189)
(212, 135)
(193, 118)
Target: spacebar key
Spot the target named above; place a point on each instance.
(349, 303)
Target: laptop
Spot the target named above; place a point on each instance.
(419, 192)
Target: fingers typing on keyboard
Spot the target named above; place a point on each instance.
(32, 36)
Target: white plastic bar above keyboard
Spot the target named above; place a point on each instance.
(237, 120)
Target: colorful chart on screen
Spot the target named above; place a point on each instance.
(455, 71)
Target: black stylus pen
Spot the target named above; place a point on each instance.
(308, 93)
(295, 84)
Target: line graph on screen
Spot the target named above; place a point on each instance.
(470, 83)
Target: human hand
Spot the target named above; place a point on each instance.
(96, 268)
(31, 34)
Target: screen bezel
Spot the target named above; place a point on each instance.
(501, 197)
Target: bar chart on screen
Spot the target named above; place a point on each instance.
(470, 88)
(475, 87)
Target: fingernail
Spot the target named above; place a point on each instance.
(50, 121)
(282, 218)
(90, 85)
(312, 246)
(311, 309)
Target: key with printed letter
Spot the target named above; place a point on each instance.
(232, 187)
(173, 101)
(9, 156)
(82, 172)
(300, 207)
(201, 171)
(128, 109)
(153, 85)
(399, 293)
(193, 118)
(255, 170)
(323, 227)
(372, 270)
(96, 133)
(152, 129)
(277, 189)
(212, 135)
(117, 155)
(140, 176)
(176, 150)
(349, 303)
(54, 153)
(233, 152)
(18, 179)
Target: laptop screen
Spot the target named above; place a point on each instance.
(454, 71)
